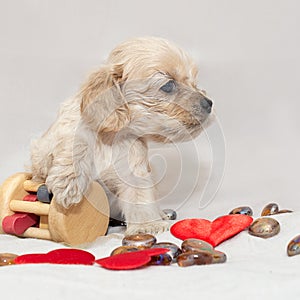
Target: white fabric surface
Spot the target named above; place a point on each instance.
(249, 60)
(255, 268)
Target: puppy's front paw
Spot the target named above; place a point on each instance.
(151, 228)
(65, 194)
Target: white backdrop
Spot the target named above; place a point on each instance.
(248, 54)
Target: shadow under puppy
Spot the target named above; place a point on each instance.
(145, 91)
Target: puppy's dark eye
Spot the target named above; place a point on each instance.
(169, 87)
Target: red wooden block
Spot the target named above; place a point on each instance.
(19, 222)
(30, 197)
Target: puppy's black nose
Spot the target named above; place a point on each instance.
(206, 104)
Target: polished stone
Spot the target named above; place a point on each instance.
(284, 211)
(161, 260)
(7, 259)
(43, 194)
(194, 258)
(115, 222)
(270, 209)
(124, 249)
(139, 240)
(293, 247)
(170, 214)
(173, 252)
(264, 227)
(242, 210)
(218, 257)
(195, 245)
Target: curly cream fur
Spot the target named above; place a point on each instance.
(102, 133)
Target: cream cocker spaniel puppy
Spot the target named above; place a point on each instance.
(146, 91)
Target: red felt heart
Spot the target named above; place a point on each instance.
(214, 232)
(124, 261)
(59, 256)
(35, 258)
(155, 251)
(71, 256)
(130, 260)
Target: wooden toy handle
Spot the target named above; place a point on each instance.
(38, 208)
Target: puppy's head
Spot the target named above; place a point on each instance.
(148, 87)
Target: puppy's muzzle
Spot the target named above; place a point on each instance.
(206, 104)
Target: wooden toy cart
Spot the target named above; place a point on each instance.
(79, 224)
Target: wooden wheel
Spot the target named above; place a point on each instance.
(83, 222)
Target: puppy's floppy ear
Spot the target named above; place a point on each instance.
(103, 106)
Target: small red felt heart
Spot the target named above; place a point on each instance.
(59, 256)
(124, 261)
(130, 260)
(70, 256)
(214, 232)
(155, 251)
(35, 258)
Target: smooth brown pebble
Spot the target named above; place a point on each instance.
(7, 259)
(270, 209)
(170, 214)
(242, 210)
(139, 240)
(284, 211)
(218, 257)
(195, 245)
(124, 249)
(194, 258)
(173, 252)
(161, 260)
(116, 222)
(293, 247)
(264, 227)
